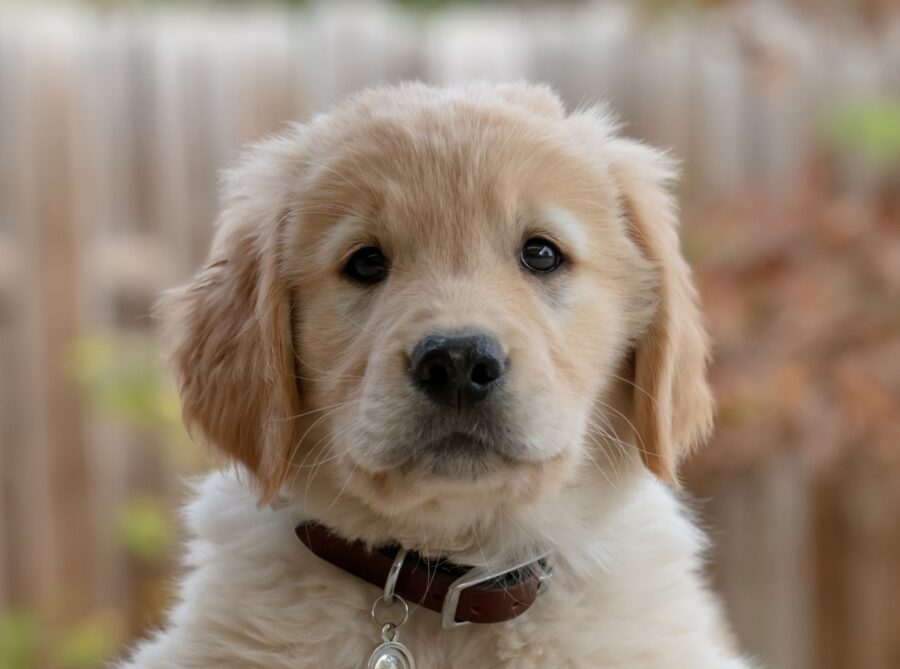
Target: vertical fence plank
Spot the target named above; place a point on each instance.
(761, 534)
(55, 261)
(26, 471)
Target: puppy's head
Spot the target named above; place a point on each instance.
(434, 296)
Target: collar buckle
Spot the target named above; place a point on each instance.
(478, 575)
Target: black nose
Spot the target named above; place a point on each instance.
(457, 370)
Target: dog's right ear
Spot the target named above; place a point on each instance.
(229, 329)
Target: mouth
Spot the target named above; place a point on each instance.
(458, 444)
(453, 456)
(461, 448)
(465, 465)
(461, 455)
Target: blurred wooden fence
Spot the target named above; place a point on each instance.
(112, 128)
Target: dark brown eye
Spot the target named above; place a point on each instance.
(368, 265)
(540, 256)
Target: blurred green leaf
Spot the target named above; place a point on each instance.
(870, 128)
(144, 528)
(125, 376)
(18, 641)
(90, 643)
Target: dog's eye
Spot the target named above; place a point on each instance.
(368, 265)
(540, 256)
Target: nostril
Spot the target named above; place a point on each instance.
(436, 375)
(483, 374)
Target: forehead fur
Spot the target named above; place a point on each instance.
(415, 133)
(449, 159)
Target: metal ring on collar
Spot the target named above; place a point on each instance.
(391, 581)
(397, 599)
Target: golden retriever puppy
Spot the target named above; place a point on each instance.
(449, 341)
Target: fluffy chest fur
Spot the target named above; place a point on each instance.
(255, 597)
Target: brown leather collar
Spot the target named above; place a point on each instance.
(461, 594)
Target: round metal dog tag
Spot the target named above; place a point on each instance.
(391, 655)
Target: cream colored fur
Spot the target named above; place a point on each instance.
(297, 375)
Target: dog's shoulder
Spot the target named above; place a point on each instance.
(249, 590)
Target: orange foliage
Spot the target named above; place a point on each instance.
(804, 305)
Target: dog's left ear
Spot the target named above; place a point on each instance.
(673, 406)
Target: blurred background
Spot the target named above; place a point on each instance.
(115, 116)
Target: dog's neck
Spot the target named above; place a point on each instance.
(487, 532)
